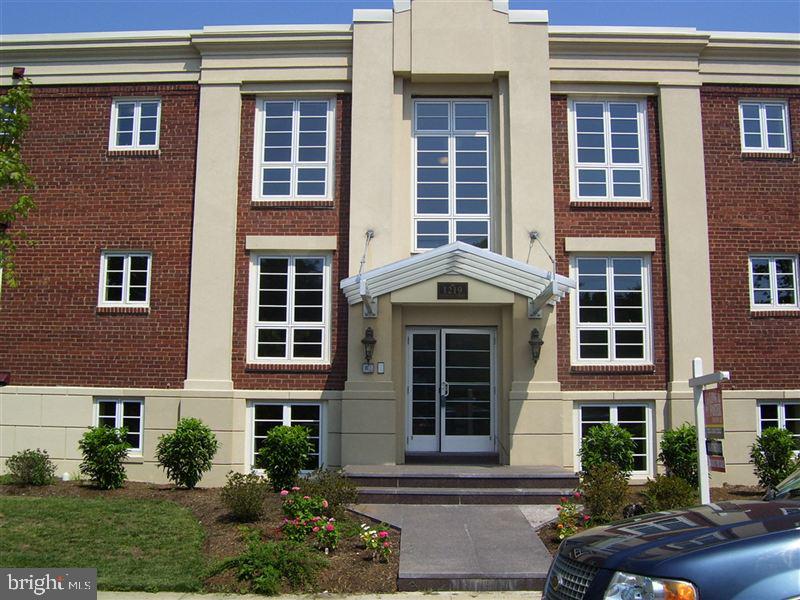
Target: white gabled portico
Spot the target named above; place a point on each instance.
(539, 286)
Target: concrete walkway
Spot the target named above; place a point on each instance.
(466, 547)
(400, 596)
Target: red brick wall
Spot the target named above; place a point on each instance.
(753, 207)
(301, 218)
(90, 200)
(605, 220)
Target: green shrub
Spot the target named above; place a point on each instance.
(679, 453)
(266, 565)
(335, 487)
(667, 492)
(244, 495)
(607, 443)
(187, 453)
(31, 467)
(104, 449)
(773, 456)
(284, 454)
(605, 489)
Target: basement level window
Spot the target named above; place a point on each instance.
(785, 415)
(764, 126)
(135, 124)
(122, 412)
(268, 415)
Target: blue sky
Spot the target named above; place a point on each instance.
(46, 16)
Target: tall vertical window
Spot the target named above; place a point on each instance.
(773, 282)
(451, 167)
(294, 149)
(122, 412)
(135, 124)
(634, 418)
(289, 309)
(124, 279)
(785, 415)
(267, 416)
(609, 150)
(611, 310)
(764, 126)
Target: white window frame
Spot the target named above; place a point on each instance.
(451, 134)
(250, 430)
(773, 282)
(120, 402)
(781, 405)
(644, 151)
(613, 407)
(647, 312)
(252, 312)
(137, 116)
(259, 164)
(762, 115)
(126, 255)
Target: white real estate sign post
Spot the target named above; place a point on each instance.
(697, 382)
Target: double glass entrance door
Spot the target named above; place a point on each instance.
(450, 390)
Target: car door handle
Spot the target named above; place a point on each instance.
(445, 389)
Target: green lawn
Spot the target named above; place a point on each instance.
(134, 544)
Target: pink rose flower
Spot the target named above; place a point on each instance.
(386, 544)
(563, 499)
(577, 495)
(315, 530)
(284, 492)
(586, 517)
(295, 489)
(329, 527)
(306, 497)
(324, 504)
(383, 534)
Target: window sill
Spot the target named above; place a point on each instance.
(286, 368)
(292, 204)
(133, 152)
(591, 204)
(133, 460)
(784, 156)
(626, 369)
(123, 310)
(787, 313)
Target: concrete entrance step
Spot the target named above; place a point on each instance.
(470, 548)
(460, 484)
(448, 495)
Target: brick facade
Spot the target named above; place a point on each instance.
(753, 207)
(631, 219)
(89, 200)
(299, 218)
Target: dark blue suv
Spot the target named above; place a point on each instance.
(725, 551)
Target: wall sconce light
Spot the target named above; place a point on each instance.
(535, 343)
(369, 342)
(5, 378)
(17, 72)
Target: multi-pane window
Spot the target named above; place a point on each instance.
(611, 310)
(294, 149)
(634, 418)
(785, 415)
(124, 279)
(773, 282)
(451, 169)
(764, 126)
(122, 412)
(290, 309)
(135, 124)
(268, 416)
(609, 150)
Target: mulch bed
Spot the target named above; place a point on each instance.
(549, 533)
(350, 568)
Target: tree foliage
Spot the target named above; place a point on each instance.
(15, 178)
